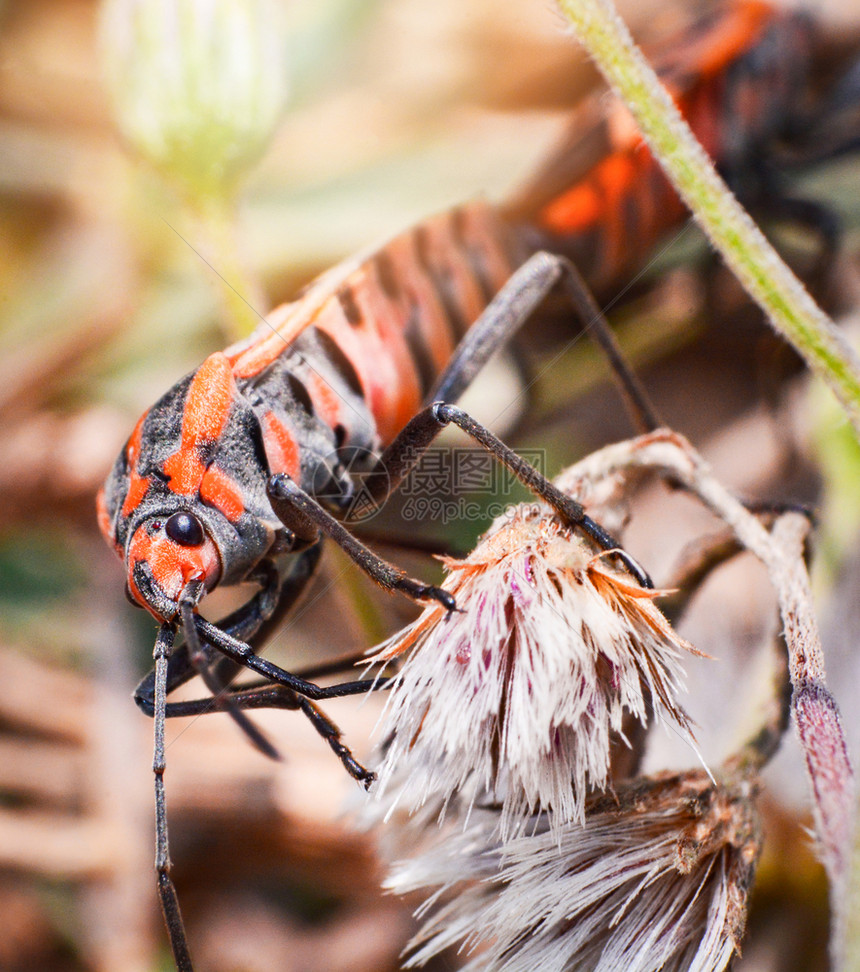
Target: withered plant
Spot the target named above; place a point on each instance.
(515, 730)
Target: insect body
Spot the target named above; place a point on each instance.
(347, 365)
(739, 75)
(219, 478)
(343, 369)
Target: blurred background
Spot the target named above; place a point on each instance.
(394, 109)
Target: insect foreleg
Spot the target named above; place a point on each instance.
(244, 655)
(268, 696)
(291, 502)
(221, 699)
(332, 735)
(263, 619)
(281, 690)
(251, 622)
(419, 433)
(263, 613)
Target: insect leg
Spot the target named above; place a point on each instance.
(417, 436)
(293, 506)
(166, 888)
(266, 618)
(243, 654)
(268, 696)
(515, 304)
(221, 699)
(253, 622)
(259, 615)
(332, 734)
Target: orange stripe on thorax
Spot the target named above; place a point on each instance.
(207, 405)
(137, 484)
(207, 410)
(218, 489)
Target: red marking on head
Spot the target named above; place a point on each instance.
(282, 450)
(172, 565)
(207, 410)
(218, 490)
(105, 521)
(185, 471)
(137, 484)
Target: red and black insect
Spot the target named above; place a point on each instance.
(218, 481)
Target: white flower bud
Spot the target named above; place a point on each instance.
(198, 85)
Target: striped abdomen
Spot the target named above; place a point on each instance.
(366, 342)
(737, 74)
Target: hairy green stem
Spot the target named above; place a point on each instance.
(754, 261)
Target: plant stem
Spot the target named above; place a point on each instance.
(242, 299)
(757, 265)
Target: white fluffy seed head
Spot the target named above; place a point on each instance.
(516, 697)
(656, 879)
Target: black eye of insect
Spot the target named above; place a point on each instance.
(185, 529)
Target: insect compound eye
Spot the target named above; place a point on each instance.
(185, 529)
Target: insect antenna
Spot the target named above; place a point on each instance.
(166, 888)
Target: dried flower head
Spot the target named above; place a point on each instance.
(656, 879)
(198, 85)
(517, 697)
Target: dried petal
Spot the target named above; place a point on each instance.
(655, 880)
(519, 694)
